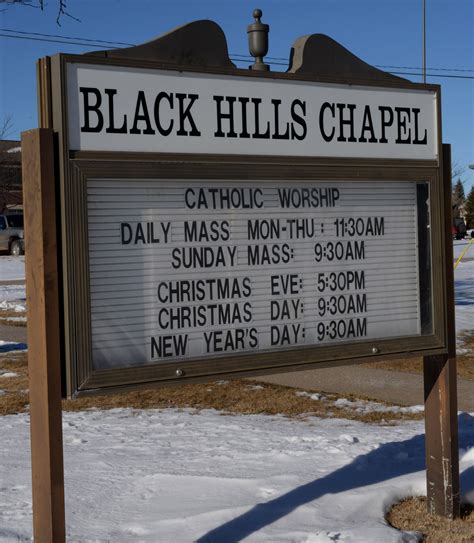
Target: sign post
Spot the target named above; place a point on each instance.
(217, 222)
(44, 362)
(441, 417)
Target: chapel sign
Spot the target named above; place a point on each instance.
(117, 109)
(187, 220)
(218, 221)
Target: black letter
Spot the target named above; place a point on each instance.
(161, 130)
(417, 141)
(298, 119)
(385, 122)
(367, 125)
(276, 134)
(188, 204)
(186, 114)
(329, 106)
(219, 133)
(244, 133)
(402, 123)
(111, 128)
(257, 134)
(141, 102)
(87, 108)
(343, 121)
(125, 226)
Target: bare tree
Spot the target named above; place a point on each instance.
(458, 199)
(10, 166)
(470, 209)
(62, 10)
(6, 126)
(458, 171)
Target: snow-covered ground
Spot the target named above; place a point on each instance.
(12, 288)
(464, 286)
(180, 476)
(12, 268)
(174, 476)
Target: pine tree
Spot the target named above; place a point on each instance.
(469, 209)
(458, 199)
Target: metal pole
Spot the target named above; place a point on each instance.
(424, 41)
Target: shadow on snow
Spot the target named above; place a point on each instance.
(464, 292)
(390, 460)
(9, 347)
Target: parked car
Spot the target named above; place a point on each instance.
(458, 228)
(11, 233)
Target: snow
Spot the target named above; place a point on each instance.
(12, 306)
(7, 374)
(13, 296)
(311, 395)
(361, 406)
(15, 319)
(366, 407)
(460, 245)
(464, 290)
(180, 475)
(12, 268)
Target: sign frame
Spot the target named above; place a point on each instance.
(77, 166)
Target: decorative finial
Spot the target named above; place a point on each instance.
(258, 41)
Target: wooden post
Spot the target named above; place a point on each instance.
(39, 199)
(441, 423)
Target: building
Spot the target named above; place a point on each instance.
(10, 175)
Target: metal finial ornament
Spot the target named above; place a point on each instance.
(258, 41)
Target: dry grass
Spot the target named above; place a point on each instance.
(465, 365)
(7, 314)
(465, 360)
(10, 322)
(238, 397)
(412, 515)
(16, 398)
(467, 341)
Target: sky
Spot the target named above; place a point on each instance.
(384, 33)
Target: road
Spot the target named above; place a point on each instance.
(392, 386)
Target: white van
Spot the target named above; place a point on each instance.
(11, 233)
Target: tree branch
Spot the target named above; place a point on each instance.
(40, 4)
(6, 126)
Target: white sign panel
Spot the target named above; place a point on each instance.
(183, 269)
(129, 109)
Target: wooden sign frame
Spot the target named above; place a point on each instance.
(55, 222)
(85, 379)
(76, 167)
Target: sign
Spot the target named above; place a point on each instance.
(215, 222)
(114, 108)
(183, 269)
(220, 222)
